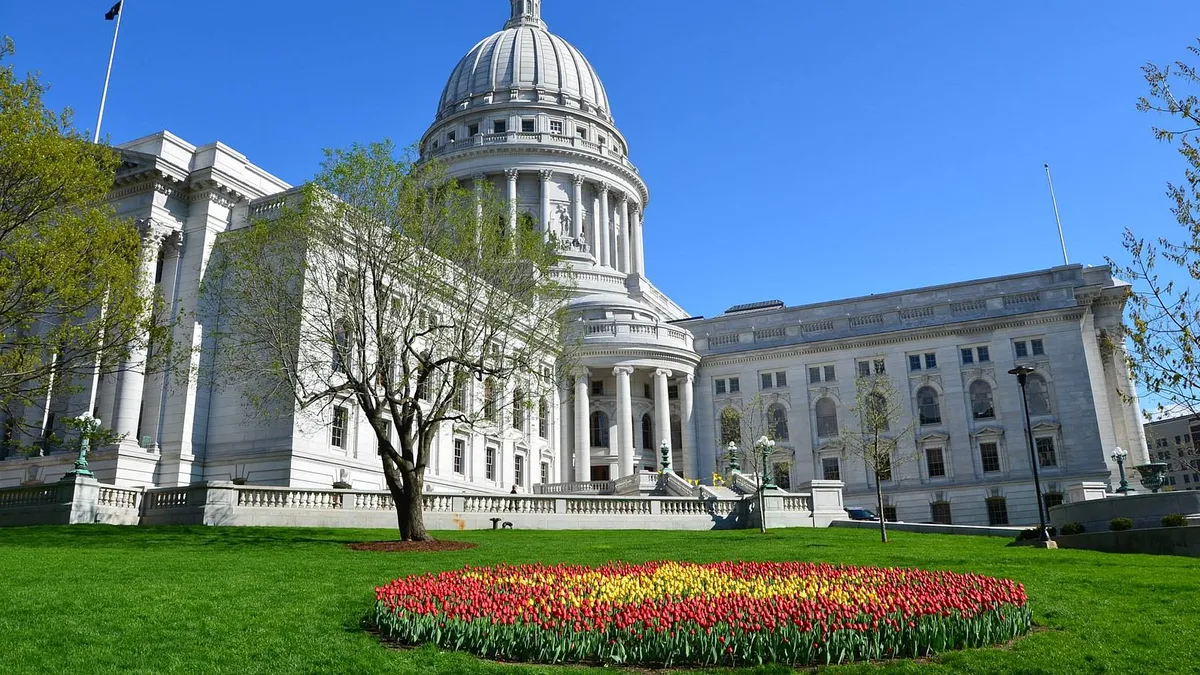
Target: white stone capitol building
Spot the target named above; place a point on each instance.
(526, 111)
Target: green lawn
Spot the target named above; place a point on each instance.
(100, 599)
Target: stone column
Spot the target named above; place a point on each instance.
(691, 464)
(546, 175)
(624, 422)
(478, 180)
(511, 175)
(153, 407)
(662, 413)
(583, 441)
(132, 385)
(605, 233)
(577, 206)
(639, 254)
(626, 237)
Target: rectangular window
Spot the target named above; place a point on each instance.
(997, 510)
(889, 514)
(646, 391)
(528, 126)
(387, 433)
(500, 127)
(603, 141)
(1037, 347)
(781, 379)
(1021, 349)
(556, 127)
(914, 362)
(719, 386)
(939, 512)
(931, 361)
(672, 391)
(1045, 452)
(830, 468)
(734, 385)
(519, 469)
(968, 357)
(884, 470)
(935, 462)
(864, 368)
(545, 472)
(989, 456)
(597, 387)
(460, 452)
(830, 375)
(767, 381)
(1052, 499)
(489, 471)
(814, 375)
(451, 136)
(982, 353)
(880, 366)
(341, 426)
(472, 129)
(581, 132)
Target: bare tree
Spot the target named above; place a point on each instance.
(388, 287)
(877, 409)
(1164, 311)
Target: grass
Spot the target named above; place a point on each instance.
(102, 599)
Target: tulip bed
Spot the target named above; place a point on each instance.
(674, 614)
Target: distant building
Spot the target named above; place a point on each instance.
(1175, 441)
(524, 111)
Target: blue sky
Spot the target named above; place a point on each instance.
(798, 151)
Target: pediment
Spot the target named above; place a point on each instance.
(988, 432)
(934, 437)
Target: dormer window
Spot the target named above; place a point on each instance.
(528, 126)
(450, 136)
(500, 127)
(556, 127)
(581, 132)
(472, 129)
(603, 140)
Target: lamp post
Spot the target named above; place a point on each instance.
(1022, 373)
(87, 426)
(665, 449)
(1119, 456)
(763, 446)
(732, 453)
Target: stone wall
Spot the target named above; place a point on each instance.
(1156, 540)
(1146, 511)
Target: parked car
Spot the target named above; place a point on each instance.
(856, 513)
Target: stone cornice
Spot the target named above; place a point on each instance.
(892, 337)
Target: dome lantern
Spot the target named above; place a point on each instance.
(526, 13)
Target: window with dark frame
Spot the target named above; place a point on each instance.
(543, 419)
(1020, 349)
(982, 354)
(500, 126)
(719, 386)
(814, 375)
(935, 462)
(830, 374)
(939, 512)
(929, 409)
(734, 385)
(545, 472)
(341, 426)
(472, 129)
(889, 514)
(989, 457)
(519, 469)
(1037, 347)
(597, 387)
(997, 510)
(1045, 452)
(460, 451)
(982, 407)
(1052, 499)
(528, 126)
(968, 356)
(914, 361)
(827, 422)
(931, 361)
(831, 468)
(489, 471)
(556, 127)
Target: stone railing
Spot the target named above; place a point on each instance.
(631, 330)
(596, 487)
(674, 484)
(120, 497)
(629, 485)
(524, 137)
(30, 495)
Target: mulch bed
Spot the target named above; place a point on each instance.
(411, 546)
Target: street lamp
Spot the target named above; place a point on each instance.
(1022, 373)
(732, 453)
(87, 425)
(666, 456)
(765, 447)
(1119, 456)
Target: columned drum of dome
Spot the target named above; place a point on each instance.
(525, 111)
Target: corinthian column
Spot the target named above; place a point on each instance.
(132, 384)
(583, 441)
(690, 463)
(639, 254)
(624, 422)
(605, 234)
(511, 175)
(546, 175)
(662, 411)
(626, 238)
(576, 206)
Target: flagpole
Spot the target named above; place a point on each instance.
(1054, 201)
(108, 73)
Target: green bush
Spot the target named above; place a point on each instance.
(1072, 528)
(1119, 524)
(1174, 520)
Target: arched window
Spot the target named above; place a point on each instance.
(543, 419)
(676, 434)
(518, 409)
(489, 399)
(777, 422)
(1037, 395)
(647, 431)
(827, 422)
(599, 429)
(928, 407)
(875, 416)
(341, 347)
(731, 427)
(981, 400)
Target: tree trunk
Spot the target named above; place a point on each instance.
(879, 505)
(407, 490)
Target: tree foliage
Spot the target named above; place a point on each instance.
(72, 301)
(1164, 311)
(386, 287)
(874, 438)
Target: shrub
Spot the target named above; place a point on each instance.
(1119, 524)
(1072, 528)
(1174, 520)
(1034, 534)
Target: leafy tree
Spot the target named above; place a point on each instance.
(73, 300)
(1164, 311)
(387, 287)
(875, 440)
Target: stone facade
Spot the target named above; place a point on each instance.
(1175, 441)
(526, 113)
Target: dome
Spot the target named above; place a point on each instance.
(525, 62)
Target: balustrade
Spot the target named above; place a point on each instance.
(121, 498)
(22, 496)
